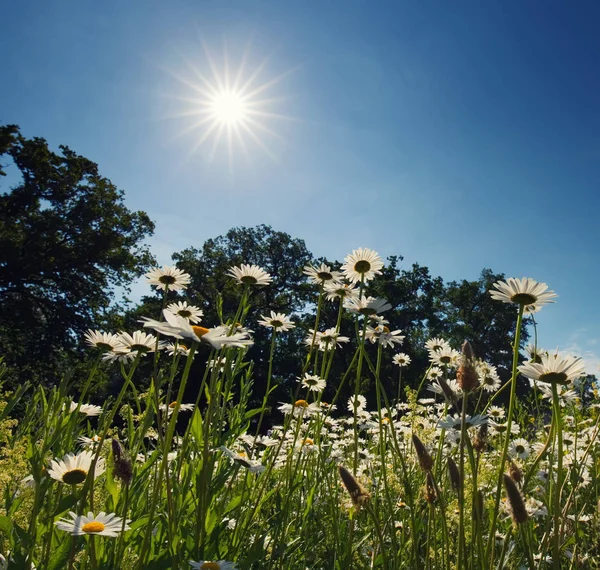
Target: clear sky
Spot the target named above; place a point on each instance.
(460, 135)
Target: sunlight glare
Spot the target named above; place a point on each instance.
(229, 107)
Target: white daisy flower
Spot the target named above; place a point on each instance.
(401, 359)
(101, 524)
(176, 348)
(554, 369)
(334, 290)
(322, 274)
(190, 312)
(523, 291)
(382, 335)
(454, 422)
(436, 344)
(171, 408)
(168, 277)
(366, 306)
(488, 377)
(362, 265)
(104, 341)
(277, 321)
(87, 409)
(359, 402)
(446, 357)
(139, 341)
(178, 327)
(313, 382)
(242, 459)
(519, 448)
(300, 408)
(496, 412)
(250, 275)
(89, 442)
(73, 469)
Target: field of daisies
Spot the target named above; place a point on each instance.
(460, 473)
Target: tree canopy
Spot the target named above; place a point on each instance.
(67, 240)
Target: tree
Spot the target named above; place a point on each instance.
(67, 241)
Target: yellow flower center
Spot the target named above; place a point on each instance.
(184, 313)
(324, 276)
(172, 404)
(167, 279)
(523, 299)
(210, 566)
(246, 280)
(74, 477)
(554, 378)
(200, 331)
(301, 404)
(362, 266)
(308, 441)
(386, 330)
(93, 526)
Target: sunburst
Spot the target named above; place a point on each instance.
(228, 108)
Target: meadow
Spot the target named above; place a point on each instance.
(459, 472)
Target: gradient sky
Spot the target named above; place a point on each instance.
(460, 135)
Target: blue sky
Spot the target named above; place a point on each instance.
(460, 135)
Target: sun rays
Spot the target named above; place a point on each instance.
(227, 108)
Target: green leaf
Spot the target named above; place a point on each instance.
(196, 427)
(233, 504)
(65, 504)
(5, 526)
(59, 557)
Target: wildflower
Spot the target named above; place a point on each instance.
(140, 341)
(522, 292)
(180, 328)
(168, 277)
(89, 442)
(208, 565)
(436, 344)
(362, 265)
(123, 469)
(334, 290)
(519, 448)
(242, 459)
(488, 377)
(424, 457)
(87, 409)
(106, 342)
(515, 500)
(358, 403)
(277, 321)
(300, 408)
(73, 469)
(102, 524)
(190, 312)
(321, 275)
(313, 382)
(401, 359)
(554, 369)
(173, 348)
(445, 357)
(171, 407)
(366, 306)
(358, 493)
(454, 422)
(449, 389)
(250, 275)
(384, 336)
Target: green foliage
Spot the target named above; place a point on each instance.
(67, 240)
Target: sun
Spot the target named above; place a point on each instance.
(228, 107)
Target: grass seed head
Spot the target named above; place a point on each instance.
(515, 500)
(358, 493)
(424, 457)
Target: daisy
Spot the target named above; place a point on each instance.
(436, 344)
(358, 402)
(87, 409)
(168, 277)
(435, 372)
(519, 448)
(401, 359)
(523, 292)
(554, 369)
(102, 524)
(242, 459)
(178, 327)
(120, 355)
(300, 408)
(384, 336)
(89, 442)
(334, 290)
(190, 312)
(366, 306)
(446, 357)
(250, 275)
(140, 341)
(331, 336)
(496, 412)
(176, 348)
(277, 321)
(362, 265)
(171, 408)
(313, 382)
(208, 565)
(454, 422)
(73, 469)
(322, 274)
(488, 377)
(104, 341)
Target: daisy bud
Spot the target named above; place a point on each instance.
(514, 471)
(358, 493)
(454, 474)
(515, 500)
(430, 492)
(123, 469)
(424, 457)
